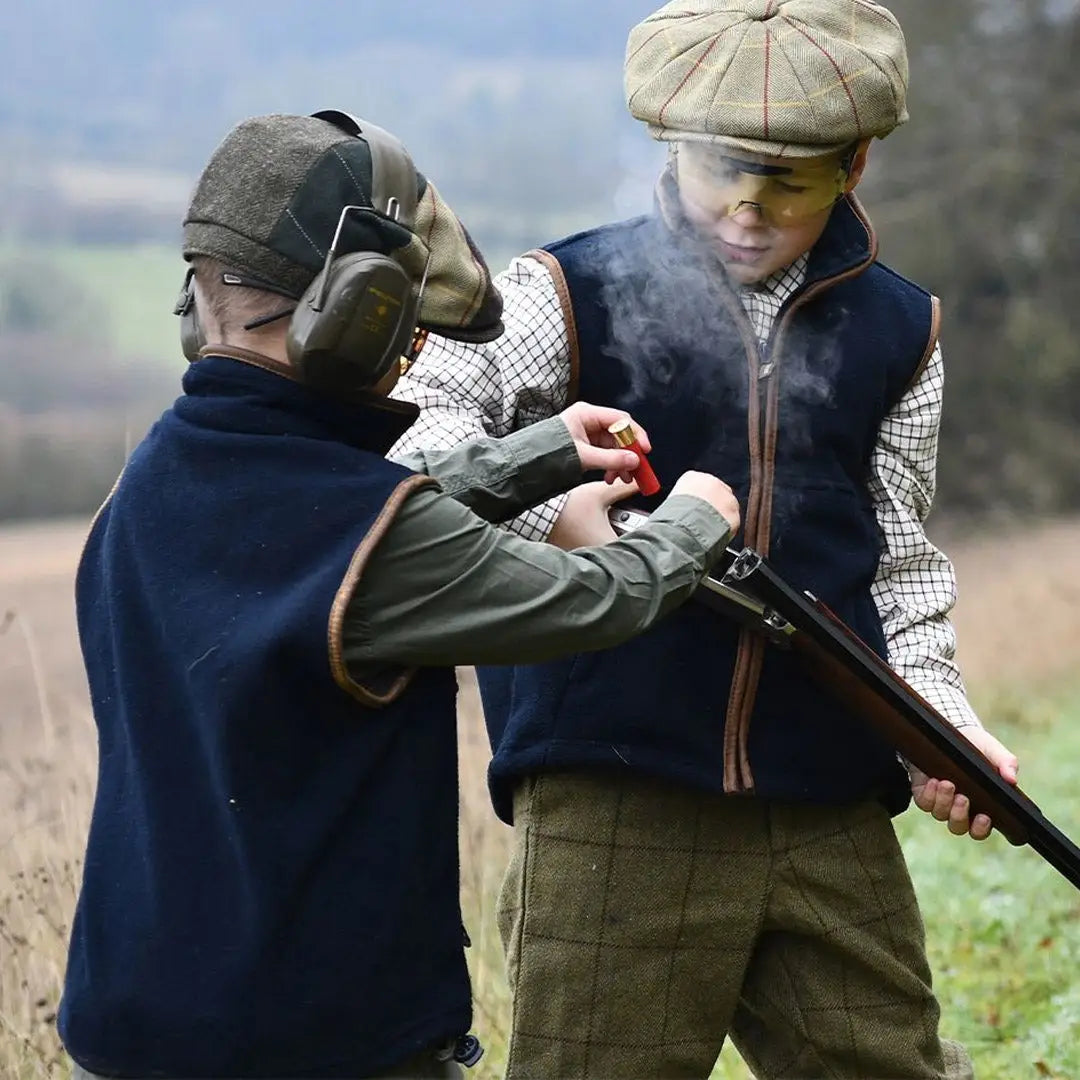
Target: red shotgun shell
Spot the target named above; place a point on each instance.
(647, 483)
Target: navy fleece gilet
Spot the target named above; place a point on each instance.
(657, 335)
(271, 879)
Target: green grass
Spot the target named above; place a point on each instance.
(1003, 927)
(124, 294)
(137, 288)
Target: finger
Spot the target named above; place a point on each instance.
(946, 792)
(642, 436)
(596, 419)
(1009, 768)
(1003, 759)
(959, 822)
(615, 460)
(618, 491)
(1006, 761)
(925, 794)
(981, 827)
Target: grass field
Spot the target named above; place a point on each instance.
(1004, 929)
(134, 288)
(137, 287)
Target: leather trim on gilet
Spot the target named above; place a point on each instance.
(792, 428)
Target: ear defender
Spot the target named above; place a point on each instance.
(354, 322)
(357, 318)
(191, 334)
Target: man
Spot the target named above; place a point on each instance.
(269, 613)
(703, 836)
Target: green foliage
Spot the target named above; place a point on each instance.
(71, 404)
(60, 465)
(517, 114)
(979, 200)
(1003, 927)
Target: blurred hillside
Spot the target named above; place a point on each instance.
(515, 109)
(109, 107)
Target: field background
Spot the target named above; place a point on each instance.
(1004, 929)
(109, 111)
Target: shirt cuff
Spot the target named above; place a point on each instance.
(950, 701)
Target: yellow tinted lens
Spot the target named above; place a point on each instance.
(725, 183)
(419, 340)
(802, 193)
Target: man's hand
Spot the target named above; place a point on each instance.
(584, 520)
(939, 797)
(596, 446)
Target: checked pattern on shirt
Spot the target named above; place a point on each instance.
(465, 391)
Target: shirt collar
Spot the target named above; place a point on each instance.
(784, 281)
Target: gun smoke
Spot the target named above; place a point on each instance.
(674, 326)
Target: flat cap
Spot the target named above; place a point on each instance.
(783, 78)
(269, 200)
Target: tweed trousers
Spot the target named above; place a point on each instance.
(644, 923)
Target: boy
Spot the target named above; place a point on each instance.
(704, 843)
(271, 878)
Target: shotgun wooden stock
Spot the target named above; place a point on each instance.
(848, 668)
(743, 586)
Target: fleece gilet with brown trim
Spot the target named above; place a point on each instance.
(792, 428)
(271, 881)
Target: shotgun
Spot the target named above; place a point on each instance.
(744, 587)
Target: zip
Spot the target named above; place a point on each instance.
(762, 421)
(737, 774)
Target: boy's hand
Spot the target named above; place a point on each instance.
(596, 446)
(584, 520)
(939, 797)
(714, 491)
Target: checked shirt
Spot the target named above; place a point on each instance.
(466, 391)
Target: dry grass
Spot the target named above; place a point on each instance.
(47, 761)
(47, 756)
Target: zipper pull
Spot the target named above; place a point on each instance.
(766, 369)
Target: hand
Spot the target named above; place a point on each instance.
(588, 426)
(584, 520)
(714, 491)
(939, 797)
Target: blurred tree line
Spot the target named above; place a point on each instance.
(977, 199)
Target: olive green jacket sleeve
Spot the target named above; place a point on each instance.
(443, 587)
(500, 478)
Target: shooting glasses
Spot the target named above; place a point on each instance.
(722, 182)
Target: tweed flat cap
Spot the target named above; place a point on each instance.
(268, 204)
(784, 78)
